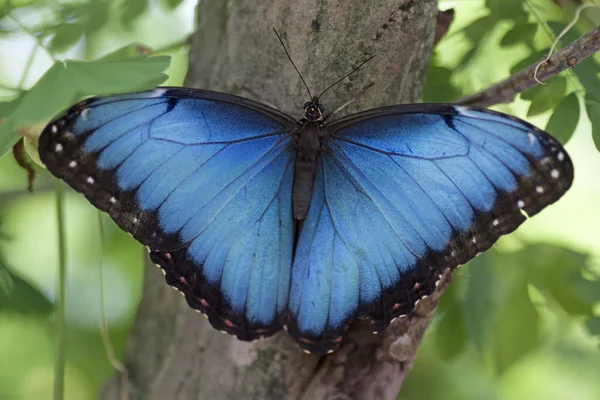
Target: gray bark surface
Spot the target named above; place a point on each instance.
(173, 352)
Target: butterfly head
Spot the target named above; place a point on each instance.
(313, 110)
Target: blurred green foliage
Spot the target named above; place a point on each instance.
(519, 322)
(60, 51)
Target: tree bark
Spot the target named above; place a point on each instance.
(173, 353)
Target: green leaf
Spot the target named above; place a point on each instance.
(51, 94)
(132, 9)
(522, 33)
(172, 4)
(128, 51)
(545, 97)
(516, 330)
(592, 108)
(65, 37)
(8, 136)
(479, 28)
(507, 9)
(95, 15)
(118, 76)
(564, 119)
(451, 336)
(438, 86)
(18, 296)
(8, 107)
(557, 272)
(588, 291)
(479, 305)
(593, 325)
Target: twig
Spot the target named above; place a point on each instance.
(505, 91)
(560, 35)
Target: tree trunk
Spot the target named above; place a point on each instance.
(173, 353)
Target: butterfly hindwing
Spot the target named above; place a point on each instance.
(201, 178)
(401, 194)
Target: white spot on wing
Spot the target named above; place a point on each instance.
(531, 137)
(135, 220)
(539, 189)
(495, 222)
(72, 164)
(554, 173)
(464, 111)
(90, 180)
(560, 156)
(54, 129)
(58, 148)
(157, 92)
(474, 240)
(84, 114)
(520, 204)
(113, 200)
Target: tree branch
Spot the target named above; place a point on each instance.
(505, 91)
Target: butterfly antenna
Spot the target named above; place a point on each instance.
(347, 75)
(292, 61)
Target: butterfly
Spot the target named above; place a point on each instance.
(265, 222)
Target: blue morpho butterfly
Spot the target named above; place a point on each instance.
(264, 222)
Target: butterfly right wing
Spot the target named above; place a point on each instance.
(201, 178)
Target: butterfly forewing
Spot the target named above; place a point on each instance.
(401, 194)
(201, 178)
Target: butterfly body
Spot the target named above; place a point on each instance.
(308, 144)
(265, 222)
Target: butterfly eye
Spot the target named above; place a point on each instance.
(321, 108)
(307, 104)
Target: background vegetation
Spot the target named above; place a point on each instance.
(519, 322)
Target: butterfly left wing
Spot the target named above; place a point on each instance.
(201, 178)
(401, 194)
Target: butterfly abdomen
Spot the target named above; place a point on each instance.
(308, 146)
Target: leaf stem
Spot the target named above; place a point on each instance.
(61, 328)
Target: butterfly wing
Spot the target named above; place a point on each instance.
(401, 194)
(201, 178)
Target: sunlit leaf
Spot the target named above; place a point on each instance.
(545, 97)
(522, 33)
(564, 119)
(516, 330)
(118, 76)
(35, 107)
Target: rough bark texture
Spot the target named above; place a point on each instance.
(173, 352)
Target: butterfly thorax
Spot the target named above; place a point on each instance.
(309, 134)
